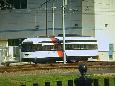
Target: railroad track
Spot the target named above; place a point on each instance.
(32, 67)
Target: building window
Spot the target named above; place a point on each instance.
(106, 25)
(76, 25)
(10, 4)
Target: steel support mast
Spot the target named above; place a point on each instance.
(63, 26)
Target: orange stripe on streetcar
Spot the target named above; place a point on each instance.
(60, 53)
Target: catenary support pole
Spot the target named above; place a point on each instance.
(63, 26)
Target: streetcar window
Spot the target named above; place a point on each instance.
(26, 48)
(30, 47)
(47, 47)
(91, 47)
(38, 47)
(51, 47)
(81, 46)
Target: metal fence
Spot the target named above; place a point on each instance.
(106, 82)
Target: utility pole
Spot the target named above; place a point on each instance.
(63, 26)
(35, 19)
(46, 18)
(53, 17)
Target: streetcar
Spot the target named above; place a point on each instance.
(50, 49)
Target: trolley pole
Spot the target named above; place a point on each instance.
(63, 26)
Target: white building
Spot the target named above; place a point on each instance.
(105, 28)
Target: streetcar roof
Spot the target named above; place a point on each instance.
(77, 38)
(48, 39)
(36, 40)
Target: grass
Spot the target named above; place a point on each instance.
(16, 79)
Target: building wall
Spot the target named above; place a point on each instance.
(3, 50)
(104, 56)
(104, 24)
(88, 18)
(3, 43)
(21, 23)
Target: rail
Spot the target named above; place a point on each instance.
(29, 67)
